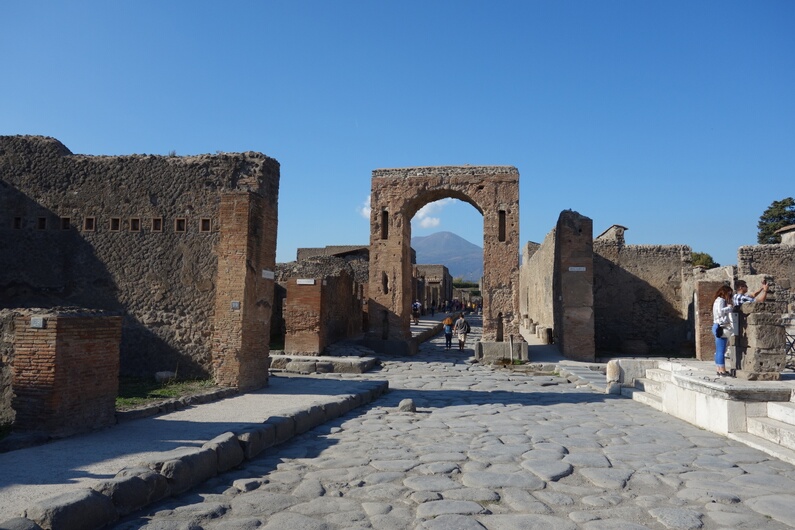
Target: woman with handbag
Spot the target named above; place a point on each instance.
(721, 326)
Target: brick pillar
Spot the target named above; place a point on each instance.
(66, 372)
(705, 340)
(244, 290)
(302, 311)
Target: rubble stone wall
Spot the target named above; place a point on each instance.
(777, 261)
(136, 234)
(643, 298)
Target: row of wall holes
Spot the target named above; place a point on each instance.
(135, 224)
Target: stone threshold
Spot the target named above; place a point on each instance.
(308, 364)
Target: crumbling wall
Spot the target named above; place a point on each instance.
(133, 234)
(777, 261)
(643, 297)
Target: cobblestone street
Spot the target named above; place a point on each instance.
(495, 449)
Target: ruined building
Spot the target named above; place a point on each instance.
(181, 249)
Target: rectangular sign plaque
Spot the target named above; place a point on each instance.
(576, 269)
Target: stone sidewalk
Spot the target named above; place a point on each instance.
(47, 478)
(490, 448)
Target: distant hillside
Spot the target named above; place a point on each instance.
(462, 258)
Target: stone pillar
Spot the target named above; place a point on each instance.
(573, 292)
(761, 341)
(302, 312)
(65, 372)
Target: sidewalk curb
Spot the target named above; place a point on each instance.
(174, 472)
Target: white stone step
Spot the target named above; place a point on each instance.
(766, 446)
(640, 396)
(650, 386)
(772, 430)
(783, 411)
(658, 374)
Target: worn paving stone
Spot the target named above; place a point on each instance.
(490, 449)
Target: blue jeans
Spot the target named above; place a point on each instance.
(448, 340)
(720, 346)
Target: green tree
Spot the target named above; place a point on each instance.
(703, 259)
(778, 215)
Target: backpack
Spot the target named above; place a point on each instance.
(466, 327)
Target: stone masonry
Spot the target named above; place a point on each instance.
(397, 194)
(182, 247)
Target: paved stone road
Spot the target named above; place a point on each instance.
(492, 449)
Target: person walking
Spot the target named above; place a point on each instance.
(461, 329)
(448, 333)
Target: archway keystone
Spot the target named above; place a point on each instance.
(397, 194)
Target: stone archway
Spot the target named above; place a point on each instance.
(397, 194)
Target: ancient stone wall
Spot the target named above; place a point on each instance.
(536, 281)
(438, 284)
(132, 234)
(643, 298)
(777, 261)
(556, 281)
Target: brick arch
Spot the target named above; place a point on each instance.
(397, 194)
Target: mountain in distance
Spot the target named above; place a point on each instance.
(462, 258)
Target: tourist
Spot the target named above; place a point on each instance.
(448, 333)
(416, 307)
(721, 326)
(461, 329)
(741, 288)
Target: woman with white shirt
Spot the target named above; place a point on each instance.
(721, 325)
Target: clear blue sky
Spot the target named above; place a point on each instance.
(675, 119)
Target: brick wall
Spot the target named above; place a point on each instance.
(65, 377)
(321, 311)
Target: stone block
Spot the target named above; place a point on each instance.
(256, 439)
(284, 428)
(127, 493)
(332, 410)
(613, 371)
(317, 415)
(323, 367)
(75, 510)
(186, 467)
(228, 451)
(307, 367)
(156, 484)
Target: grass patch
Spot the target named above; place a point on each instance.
(136, 392)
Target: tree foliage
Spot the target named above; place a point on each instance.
(778, 215)
(702, 259)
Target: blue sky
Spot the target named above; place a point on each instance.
(675, 119)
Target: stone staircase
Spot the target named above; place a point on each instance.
(758, 414)
(773, 433)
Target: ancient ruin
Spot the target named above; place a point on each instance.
(397, 194)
